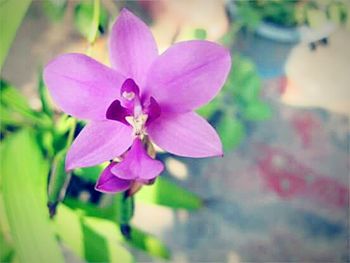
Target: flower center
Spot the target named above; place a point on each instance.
(131, 110)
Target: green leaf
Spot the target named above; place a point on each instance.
(89, 209)
(10, 118)
(13, 100)
(257, 111)
(231, 132)
(166, 193)
(24, 184)
(84, 19)
(148, 243)
(58, 181)
(11, 96)
(54, 9)
(92, 239)
(106, 227)
(11, 15)
(44, 96)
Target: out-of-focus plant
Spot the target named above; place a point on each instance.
(291, 13)
(54, 9)
(11, 15)
(238, 103)
(84, 17)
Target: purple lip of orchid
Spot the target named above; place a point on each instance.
(143, 95)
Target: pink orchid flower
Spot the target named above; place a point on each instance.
(143, 94)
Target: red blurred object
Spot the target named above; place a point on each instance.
(289, 178)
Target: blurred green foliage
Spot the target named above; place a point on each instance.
(54, 9)
(92, 239)
(11, 14)
(23, 189)
(291, 13)
(166, 193)
(85, 22)
(238, 103)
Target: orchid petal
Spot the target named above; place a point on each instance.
(132, 47)
(109, 183)
(186, 135)
(137, 164)
(99, 142)
(188, 75)
(81, 86)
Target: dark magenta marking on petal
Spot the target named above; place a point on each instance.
(109, 183)
(153, 110)
(128, 86)
(117, 112)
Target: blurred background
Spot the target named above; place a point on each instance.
(280, 193)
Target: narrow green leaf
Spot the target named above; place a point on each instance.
(58, 181)
(6, 251)
(11, 15)
(166, 193)
(148, 243)
(33, 236)
(110, 233)
(92, 239)
(44, 96)
(11, 96)
(13, 100)
(10, 118)
(91, 210)
(102, 221)
(257, 111)
(231, 132)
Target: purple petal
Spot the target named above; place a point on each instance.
(81, 86)
(132, 47)
(117, 112)
(99, 142)
(109, 183)
(186, 135)
(137, 164)
(188, 75)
